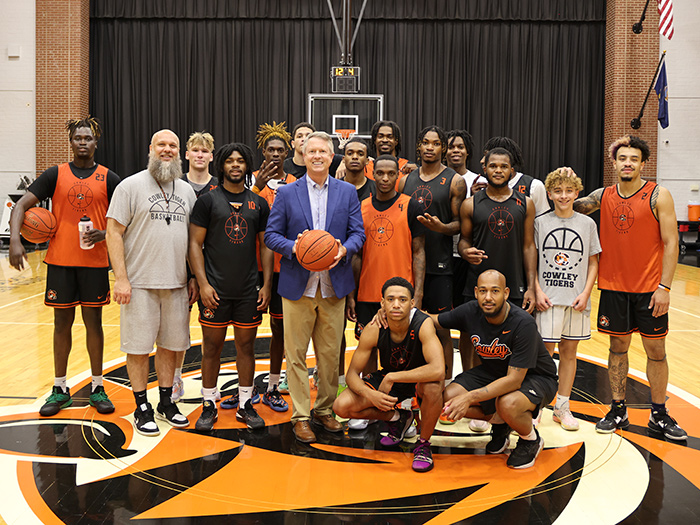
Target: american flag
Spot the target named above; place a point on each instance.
(666, 18)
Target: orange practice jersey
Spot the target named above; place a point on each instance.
(387, 252)
(72, 199)
(631, 242)
(269, 195)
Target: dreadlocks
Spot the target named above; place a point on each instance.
(441, 135)
(395, 130)
(225, 152)
(267, 132)
(466, 137)
(509, 144)
(87, 122)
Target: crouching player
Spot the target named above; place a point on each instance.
(412, 364)
(516, 378)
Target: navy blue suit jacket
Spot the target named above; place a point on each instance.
(291, 215)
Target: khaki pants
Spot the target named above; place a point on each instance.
(320, 320)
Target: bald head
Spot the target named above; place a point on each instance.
(491, 293)
(492, 277)
(164, 156)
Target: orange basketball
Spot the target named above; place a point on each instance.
(39, 225)
(316, 250)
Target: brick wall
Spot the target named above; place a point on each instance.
(630, 63)
(62, 66)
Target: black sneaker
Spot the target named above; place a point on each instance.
(613, 420)
(209, 416)
(249, 416)
(398, 428)
(100, 401)
(525, 452)
(144, 422)
(662, 422)
(500, 439)
(56, 401)
(171, 414)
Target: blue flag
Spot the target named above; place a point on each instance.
(661, 89)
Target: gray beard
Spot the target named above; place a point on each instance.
(164, 171)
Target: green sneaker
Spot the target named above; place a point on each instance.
(100, 401)
(56, 401)
(283, 387)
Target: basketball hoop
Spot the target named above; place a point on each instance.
(344, 136)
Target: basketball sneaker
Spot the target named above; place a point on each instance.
(283, 387)
(178, 390)
(565, 418)
(144, 422)
(249, 416)
(412, 430)
(613, 420)
(398, 428)
(209, 416)
(500, 439)
(478, 425)
(525, 452)
(99, 399)
(422, 456)
(446, 420)
(232, 402)
(171, 414)
(56, 401)
(662, 422)
(273, 399)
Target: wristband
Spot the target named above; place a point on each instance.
(664, 287)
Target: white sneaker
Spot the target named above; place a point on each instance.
(565, 418)
(478, 425)
(358, 424)
(412, 430)
(178, 390)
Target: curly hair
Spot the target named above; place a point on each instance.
(561, 177)
(441, 135)
(629, 141)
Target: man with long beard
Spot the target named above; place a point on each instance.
(147, 239)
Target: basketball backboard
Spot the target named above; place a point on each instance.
(332, 112)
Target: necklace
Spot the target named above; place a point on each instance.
(167, 201)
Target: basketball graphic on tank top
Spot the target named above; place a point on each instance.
(501, 222)
(236, 227)
(623, 217)
(381, 230)
(424, 196)
(80, 196)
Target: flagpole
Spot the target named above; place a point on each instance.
(636, 122)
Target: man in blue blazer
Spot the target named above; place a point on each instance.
(313, 303)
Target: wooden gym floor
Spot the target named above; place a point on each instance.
(81, 467)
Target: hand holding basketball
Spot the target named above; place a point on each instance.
(317, 250)
(39, 225)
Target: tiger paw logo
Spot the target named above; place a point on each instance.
(80, 196)
(424, 197)
(51, 295)
(623, 217)
(208, 313)
(236, 228)
(500, 222)
(561, 259)
(603, 321)
(381, 230)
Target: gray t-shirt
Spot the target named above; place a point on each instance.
(157, 225)
(564, 246)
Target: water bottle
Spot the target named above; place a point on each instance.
(85, 225)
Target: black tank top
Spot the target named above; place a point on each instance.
(406, 355)
(498, 229)
(434, 197)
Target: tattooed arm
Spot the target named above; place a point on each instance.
(662, 206)
(589, 204)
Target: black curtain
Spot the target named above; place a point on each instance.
(532, 70)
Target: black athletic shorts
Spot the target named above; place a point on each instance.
(437, 293)
(275, 307)
(400, 390)
(70, 286)
(460, 267)
(365, 312)
(540, 390)
(241, 313)
(623, 313)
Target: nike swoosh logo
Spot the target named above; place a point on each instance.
(506, 332)
(657, 329)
